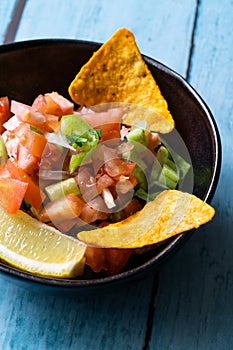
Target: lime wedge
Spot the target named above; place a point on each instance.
(35, 247)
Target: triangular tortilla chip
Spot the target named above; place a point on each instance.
(117, 73)
(169, 214)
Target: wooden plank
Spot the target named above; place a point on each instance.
(194, 305)
(113, 320)
(6, 12)
(153, 24)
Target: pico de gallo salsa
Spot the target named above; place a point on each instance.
(77, 169)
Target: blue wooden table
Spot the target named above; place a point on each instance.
(188, 305)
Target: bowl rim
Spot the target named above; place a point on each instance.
(151, 264)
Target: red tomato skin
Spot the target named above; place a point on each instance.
(4, 112)
(12, 192)
(33, 141)
(109, 120)
(45, 104)
(103, 182)
(66, 106)
(117, 167)
(62, 209)
(33, 195)
(90, 214)
(4, 173)
(109, 134)
(26, 160)
(27, 114)
(52, 157)
(38, 145)
(109, 260)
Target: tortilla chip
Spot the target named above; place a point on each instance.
(117, 73)
(169, 214)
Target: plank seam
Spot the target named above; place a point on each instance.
(14, 23)
(192, 45)
(151, 311)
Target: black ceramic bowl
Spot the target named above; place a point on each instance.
(33, 67)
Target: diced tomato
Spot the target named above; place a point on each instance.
(4, 173)
(27, 114)
(110, 260)
(152, 140)
(109, 135)
(12, 192)
(12, 145)
(52, 123)
(40, 104)
(105, 153)
(66, 106)
(26, 160)
(87, 184)
(52, 103)
(51, 109)
(97, 119)
(64, 208)
(95, 258)
(66, 226)
(26, 146)
(12, 123)
(113, 165)
(94, 210)
(117, 167)
(125, 184)
(38, 145)
(32, 140)
(89, 215)
(45, 104)
(52, 157)
(130, 166)
(4, 112)
(109, 131)
(33, 195)
(133, 180)
(103, 182)
(22, 131)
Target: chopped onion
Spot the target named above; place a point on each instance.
(108, 198)
(46, 174)
(124, 147)
(58, 139)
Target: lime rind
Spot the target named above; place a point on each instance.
(37, 248)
